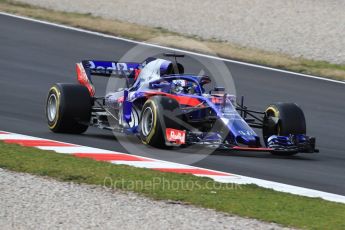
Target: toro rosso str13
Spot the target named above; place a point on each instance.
(163, 106)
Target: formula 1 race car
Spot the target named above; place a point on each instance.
(164, 107)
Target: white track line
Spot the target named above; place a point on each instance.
(168, 48)
(18, 137)
(280, 187)
(75, 149)
(154, 163)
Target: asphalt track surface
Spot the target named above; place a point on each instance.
(33, 56)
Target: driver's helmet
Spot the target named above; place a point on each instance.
(177, 86)
(184, 86)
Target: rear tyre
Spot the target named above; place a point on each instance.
(283, 119)
(157, 114)
(68, 108)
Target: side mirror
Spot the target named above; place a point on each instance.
(217, 90)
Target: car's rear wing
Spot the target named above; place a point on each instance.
(108, 68)
(87, 68)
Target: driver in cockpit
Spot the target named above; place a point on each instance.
(185, 87)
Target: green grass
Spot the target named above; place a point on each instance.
(162, 36)
(245, 200)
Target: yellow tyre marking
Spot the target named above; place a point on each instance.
(57, 91)
(276, 114)
(275, 111)
(154, 121)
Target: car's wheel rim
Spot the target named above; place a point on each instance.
(147, 121)
(52, 107)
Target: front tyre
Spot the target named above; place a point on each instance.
(283, 119)
(68, 108)
(157, 114)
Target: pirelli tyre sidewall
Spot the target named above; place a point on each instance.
(68, 108)
(157, 114)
